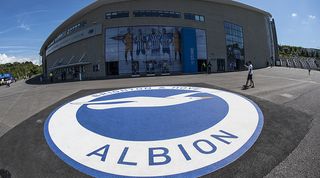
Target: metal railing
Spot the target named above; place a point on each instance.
(300, 62)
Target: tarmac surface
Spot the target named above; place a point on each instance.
(289, 145)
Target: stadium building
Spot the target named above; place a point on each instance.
(151, 37)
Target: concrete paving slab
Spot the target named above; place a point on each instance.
(25, 153)
(303, 161)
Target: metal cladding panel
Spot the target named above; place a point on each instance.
(189, 54)
(83, 34)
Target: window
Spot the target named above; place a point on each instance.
(76, 27)
(197, 17)
(156, 13)
(234, 45)
(190, 16)
(96, 68)
(72, 29)
(118, 14)
(62, 35)
(201, 18)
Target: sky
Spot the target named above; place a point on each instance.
(25, 24)
(297, 21)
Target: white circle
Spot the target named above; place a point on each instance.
(76, 142)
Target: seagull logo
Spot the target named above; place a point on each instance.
(154, 131)
(143, 101)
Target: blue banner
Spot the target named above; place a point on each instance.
(5, 75)
(189, 46)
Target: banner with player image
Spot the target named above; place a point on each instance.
(147, 49)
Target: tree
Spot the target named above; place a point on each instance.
(19, 70)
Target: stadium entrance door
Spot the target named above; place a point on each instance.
(112, 68)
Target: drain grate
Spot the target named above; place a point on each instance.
(4, 173)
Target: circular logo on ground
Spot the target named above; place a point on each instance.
(154, 131)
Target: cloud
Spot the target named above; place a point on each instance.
(24, 26)
(309, 20)
(31, 12)
(7, 30)
(21, 26)
(312, 17)
(10, 59)
(16, 47)
(21, 18)
(294, 15)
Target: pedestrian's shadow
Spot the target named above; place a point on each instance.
(5, 173)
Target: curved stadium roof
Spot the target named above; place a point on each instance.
(99, 3)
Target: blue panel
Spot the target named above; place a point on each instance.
(189, 46)
(6, 75)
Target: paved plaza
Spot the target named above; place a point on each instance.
(288, 145)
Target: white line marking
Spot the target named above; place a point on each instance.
(287, 95)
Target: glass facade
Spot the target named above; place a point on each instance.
(190, 16)
(149, 49)
(76, 27)
(201, 44)
(235, 46)
(69, 31)
(156, 13)
(118, 14)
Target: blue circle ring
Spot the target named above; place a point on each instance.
(195, 173)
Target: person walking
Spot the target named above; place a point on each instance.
(51, 77)
(209, 68)
(204, 67)
(8, 82)
(249, 66)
